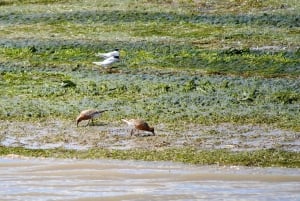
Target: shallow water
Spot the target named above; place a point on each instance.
(57, 179)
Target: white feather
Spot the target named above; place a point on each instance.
(107, 62)
(129, 122)
(109, 54)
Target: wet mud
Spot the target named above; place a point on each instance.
(63, 134)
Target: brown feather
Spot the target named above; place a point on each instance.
(139, 124)
(89, 114)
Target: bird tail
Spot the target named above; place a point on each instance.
(101, 111)
(97, 63)
(126, 121)
(100, 55)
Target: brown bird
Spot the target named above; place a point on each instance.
(89, 115)
(137, 124)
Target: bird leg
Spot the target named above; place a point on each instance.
(138, 132)
(131, 132)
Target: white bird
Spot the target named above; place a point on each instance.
(107, 62)
(109, 54)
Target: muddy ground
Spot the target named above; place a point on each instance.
(54, 134)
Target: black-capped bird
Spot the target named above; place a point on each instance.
(107, 62)
(116, 52)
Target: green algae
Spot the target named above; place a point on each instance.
(261, 158)
(192, 99)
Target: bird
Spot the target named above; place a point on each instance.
(109, 54)
(138, 124)
(107, 62)
(89, 114)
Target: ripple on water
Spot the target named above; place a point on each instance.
(55, 179)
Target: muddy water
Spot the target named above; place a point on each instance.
(56, 179)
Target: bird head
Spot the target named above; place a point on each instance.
(151, 129)
(78, 120)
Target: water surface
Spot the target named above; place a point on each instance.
(58, 179)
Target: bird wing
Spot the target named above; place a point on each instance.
(104, 62)
(108, 54)
(115, 53)
(97, 63)
(104, 55)
(108, 61)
